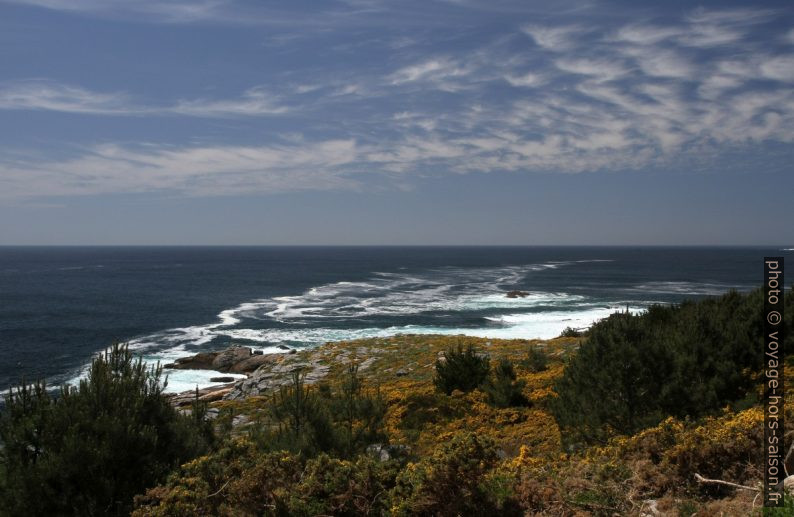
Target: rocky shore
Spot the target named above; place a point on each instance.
(236, 359)
(233, 360)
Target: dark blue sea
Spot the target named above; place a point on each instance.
(61, 305)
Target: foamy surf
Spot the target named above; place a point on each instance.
(447, 300)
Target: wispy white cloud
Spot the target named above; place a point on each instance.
(51, 96)
(164, 10)
(779, 68)
(557, 39)
(253, 102)
(210, 170)
(646, 34)
(602, 69)
(39, 95)
(657, 62)
(528, 80)
(742, 16)
(442, 73)
(634, 96)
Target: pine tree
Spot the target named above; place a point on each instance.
(92, 448)
(502, 387)
(461, 369)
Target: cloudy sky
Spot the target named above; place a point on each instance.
(404, 122)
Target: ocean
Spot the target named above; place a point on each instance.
(59, 306)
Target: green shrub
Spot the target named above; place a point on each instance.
(330, 486)
(571, 332)
(536, 360)
(461, 369)
(687, 360)
(502, 388)
(91, 449)
(240, 479)
(454, 481)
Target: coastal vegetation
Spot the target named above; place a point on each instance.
(686, 361)
(617, 420)
(91, 448)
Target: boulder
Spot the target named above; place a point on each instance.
(215, 395)
(225, 360)
(252, 363)
(200, 361)
(517, 294)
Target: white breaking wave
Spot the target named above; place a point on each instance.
(315, 316)
(185, 380)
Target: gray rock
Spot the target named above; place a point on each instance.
(225, 360)
(272, 375)
(240, 420)
(200, 361)
(222, 379)
(253, 362)
(385, 452)
(379, 451)
(366, 363)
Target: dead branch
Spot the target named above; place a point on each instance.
(701, 479)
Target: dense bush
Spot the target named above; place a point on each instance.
(461, 369)
(687, 360)
(240, 479)
(502, 388)
(92, 448)
(456, 480)
(571, 332)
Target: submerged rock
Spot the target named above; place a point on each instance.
(222, 379)
(517, 294)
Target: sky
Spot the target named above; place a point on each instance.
(396, 122)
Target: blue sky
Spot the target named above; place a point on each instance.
(374, 122)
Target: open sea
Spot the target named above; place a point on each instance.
(59, 306)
